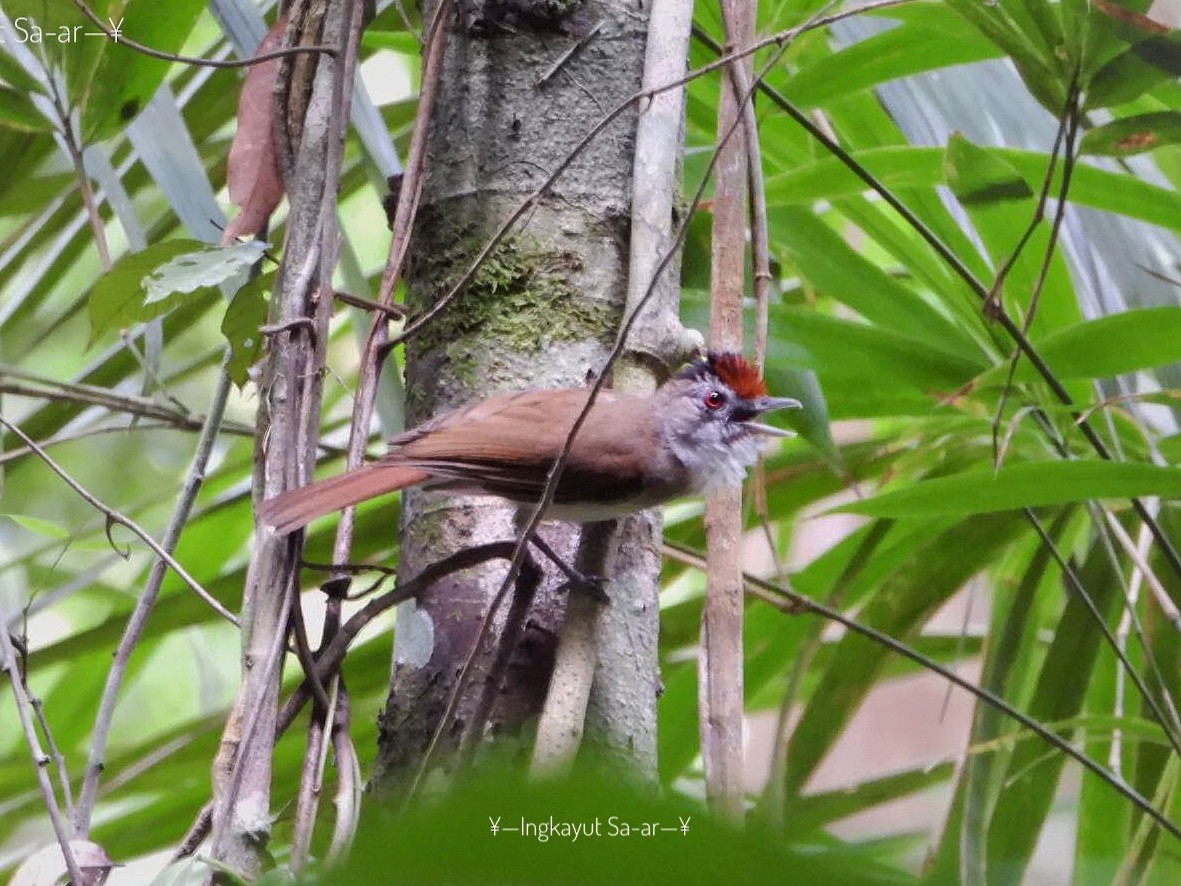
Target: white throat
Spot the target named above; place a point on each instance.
(716, 464)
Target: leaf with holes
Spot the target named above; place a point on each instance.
(117, 299)
(203, 268)
(245, 314)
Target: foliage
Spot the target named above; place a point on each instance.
(951, 446)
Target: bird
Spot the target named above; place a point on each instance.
(697, 432)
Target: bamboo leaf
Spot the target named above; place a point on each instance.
(1024, 485)
(1133, 135)
(1135, 340)
(1142, 66)
(977, 176)
(908, 167)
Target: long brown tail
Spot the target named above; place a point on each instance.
(298, 507)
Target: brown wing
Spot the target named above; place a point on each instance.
(501, 446)
(506, 445)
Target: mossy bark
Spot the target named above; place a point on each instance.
(543, 311)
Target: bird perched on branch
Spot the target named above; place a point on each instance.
(697, 432)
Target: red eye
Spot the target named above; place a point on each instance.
(714, 400)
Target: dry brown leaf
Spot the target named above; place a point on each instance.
(252, 169)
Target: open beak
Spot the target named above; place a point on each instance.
(767, 404)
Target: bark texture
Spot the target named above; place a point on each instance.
(288, 426)
(543, 311)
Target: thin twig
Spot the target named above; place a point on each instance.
(86, 395)
(347, 799)
(307, 661)
(1068, 132)
(570, 51)
(307, 796)
(720, 697)
(143, 607)
(392, 312)
(113, 517)
(1164, 543)
(59, 762)
(69, 143)
(9, 665)
(122, 40)
(196, 833)
(406, 22)
(434, 49)
(790, 602)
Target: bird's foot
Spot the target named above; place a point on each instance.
(594, 585)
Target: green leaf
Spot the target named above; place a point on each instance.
(1024, 485)
(201, 269)
(1140, 338)
(1034, 61)
(908, 167)
(38, 525)
(819, 810)
(60, 31)
(869, 354)
(977, 176)
(829, 263)
(245, 314)
(899, 608)
(933, 38)
(117, 299)
(1133, 135)
(812, 421)
(107, 80)
(999, 203)
(1012, 654)
(1134, 71)
(17, 112)
(402, 42)
(14, 74)
(1032, 775)
(125, 80)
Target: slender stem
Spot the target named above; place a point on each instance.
(9, 665)
(113, 518)
(123, 40)
(1164, 543)
(143, 607)
(329, 658)
(792, 603)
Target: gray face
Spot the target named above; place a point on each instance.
(710, 430)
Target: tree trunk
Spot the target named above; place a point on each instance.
(543, 310)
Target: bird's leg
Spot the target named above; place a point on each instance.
(580, 581)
